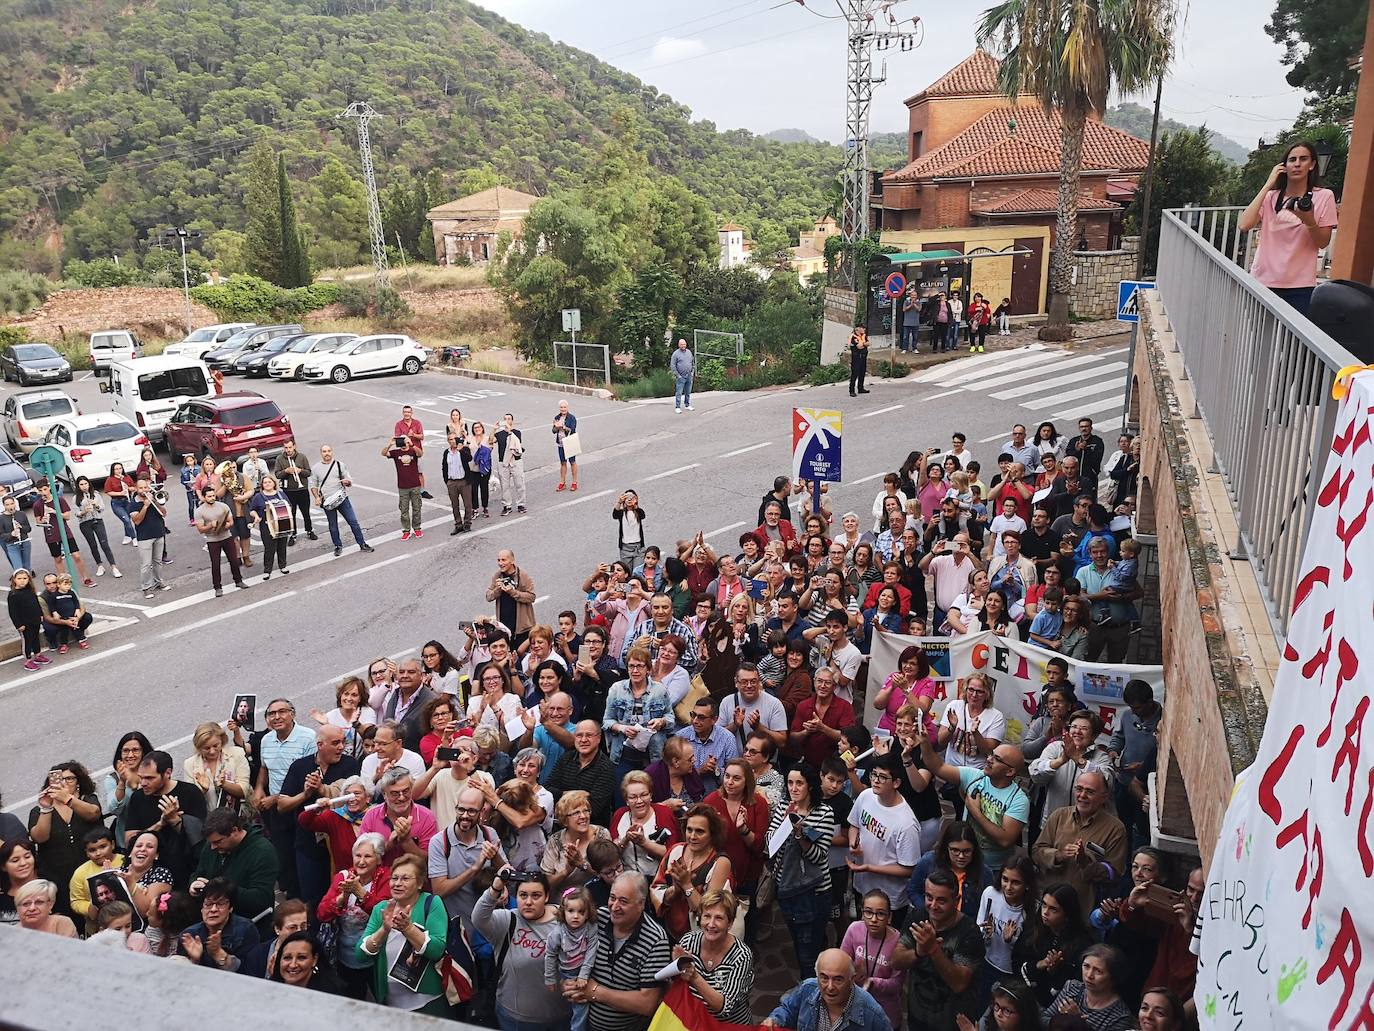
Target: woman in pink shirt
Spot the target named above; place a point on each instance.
(869, 943)
(909, 682)
(933, 491)
(1295, 216)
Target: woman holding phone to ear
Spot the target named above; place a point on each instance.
(1295, 216)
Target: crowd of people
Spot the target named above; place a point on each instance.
(540, 822)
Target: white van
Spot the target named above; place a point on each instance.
(146, 391)
(113, 345)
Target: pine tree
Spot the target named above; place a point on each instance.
(295, 265)
(420, 221)
(262, 245)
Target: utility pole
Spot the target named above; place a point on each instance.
(1144, 228)
(182, 234)
(364, 113)
(871, 24)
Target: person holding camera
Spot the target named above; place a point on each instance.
(459, 477)
(512, 589)
(1296, 216)
(405, 453)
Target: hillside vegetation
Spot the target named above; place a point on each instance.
(118, 118)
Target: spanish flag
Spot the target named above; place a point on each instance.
(680, 1010)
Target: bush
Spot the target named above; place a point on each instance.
(391, 306)
(247, 297)
(655, 383)
(711, 374)
(23, 291)
(100, 272)
(804, 356)
(836, 372)
(354, 300)
(11, 335)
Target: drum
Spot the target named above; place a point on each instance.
(278, 516)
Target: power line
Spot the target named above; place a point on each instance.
(606, 51)
(726, 50)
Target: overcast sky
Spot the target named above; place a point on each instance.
(769, 64)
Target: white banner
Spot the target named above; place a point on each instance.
(1017, 671)
(1286, 917)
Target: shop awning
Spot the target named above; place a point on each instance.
(912, 257)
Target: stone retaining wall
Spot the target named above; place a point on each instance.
(1094, 290)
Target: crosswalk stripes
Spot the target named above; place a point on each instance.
(1050, 383)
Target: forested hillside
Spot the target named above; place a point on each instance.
(116, 118)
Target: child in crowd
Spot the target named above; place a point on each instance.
(189, 472)
(834, 782)
(1002, 915)
(1048, 623)
(571, 948)
(1007, 520)
(773, 666)
(1121, 578)
(869, 943)
(649, 568)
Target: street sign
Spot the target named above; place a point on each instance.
(572, 320)
(47, 460)
(1128, 299)
(816, 445)
(895, 284)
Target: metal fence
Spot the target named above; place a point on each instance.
(583, 360)
(712, 343)
(1262, 377)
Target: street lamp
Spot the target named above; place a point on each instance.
(182, 234)
(1324, 152)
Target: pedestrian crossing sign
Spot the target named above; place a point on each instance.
(1128, 299)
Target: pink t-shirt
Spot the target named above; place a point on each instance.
(872, 960)
(1287, 255)
(925, 688)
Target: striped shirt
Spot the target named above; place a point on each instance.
(818, 827)
(733, 977)
(626, 966)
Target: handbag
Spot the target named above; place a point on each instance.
(572, 445)
(682, 711)
(794, 875)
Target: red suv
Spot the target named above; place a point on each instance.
(228, 425)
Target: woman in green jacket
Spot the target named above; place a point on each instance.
(404, 940)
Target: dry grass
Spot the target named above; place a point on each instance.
(419, 278)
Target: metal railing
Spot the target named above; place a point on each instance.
(1262, 376)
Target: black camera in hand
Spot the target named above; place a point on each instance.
(1303, 203)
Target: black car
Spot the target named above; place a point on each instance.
(33, 363)
(15, 479)
(244, 342)
(254, 363)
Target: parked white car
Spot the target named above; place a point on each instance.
(367, 356)
(207, 338)
(29, 414)
(92, 443)
(287, 364)
(113, 345)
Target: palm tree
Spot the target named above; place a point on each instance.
(1071, 54)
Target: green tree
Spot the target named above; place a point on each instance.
(1187, 171)
(1318, 42)
(337, 214)
(262, 245)
(295, 261)
(1072, 54)
(643, 310)
(772, 247)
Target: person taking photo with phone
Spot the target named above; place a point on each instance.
(1295, 215)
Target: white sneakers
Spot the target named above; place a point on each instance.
(127, 540)
(114, 571)
(99, 570)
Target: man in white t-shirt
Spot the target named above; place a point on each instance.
(446, 779)
(835, 649)
(970, 727)
(389, 751)
(884, 838)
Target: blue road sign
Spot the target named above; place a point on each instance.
(1128, 299)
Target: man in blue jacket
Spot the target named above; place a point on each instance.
(684, 367)
(846, 1004)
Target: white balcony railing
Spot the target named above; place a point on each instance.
(1262, 377)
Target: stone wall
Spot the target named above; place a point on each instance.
(1099, 272)
(1215, 707)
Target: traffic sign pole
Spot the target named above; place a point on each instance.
(1130, 379)
(1128, 310)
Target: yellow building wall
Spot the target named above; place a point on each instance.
(990, 276)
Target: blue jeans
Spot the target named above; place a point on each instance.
(20, 554)
(1299, 298)
(682, 393)
(807, 915)
(952, 336)
(345, 510)
(120, 507)
(911, 335)
(509, 1023)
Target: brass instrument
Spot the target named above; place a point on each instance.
(159, 495)
(228, 474)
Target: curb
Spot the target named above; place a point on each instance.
(14, 648)
(525, 381)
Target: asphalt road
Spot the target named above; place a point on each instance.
(165, 665)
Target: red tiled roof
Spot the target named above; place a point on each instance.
(1103, 147)
(730, 227)
(1036, 201)
(975, 75)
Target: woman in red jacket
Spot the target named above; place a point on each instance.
(744, 814)
(348, 904)
(339, 821)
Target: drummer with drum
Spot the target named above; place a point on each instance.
(270, 511)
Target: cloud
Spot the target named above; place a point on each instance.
(669, 48)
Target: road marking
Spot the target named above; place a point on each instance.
(220, 618)
(85, 377)
(943, 393)
(1112, 386)
(724, 529)
(670, 472)
(541, 598)
(374, 490)
(881, 411)
(745, 450)
(352, 573)
(1003, 436)
(938, 372)
(1044, 374)
(1107, 407)
(961, 373)
(388, 400)
(1072, 377)
(65, 665)
(578, 501)
(867, 479)
(97, 602)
